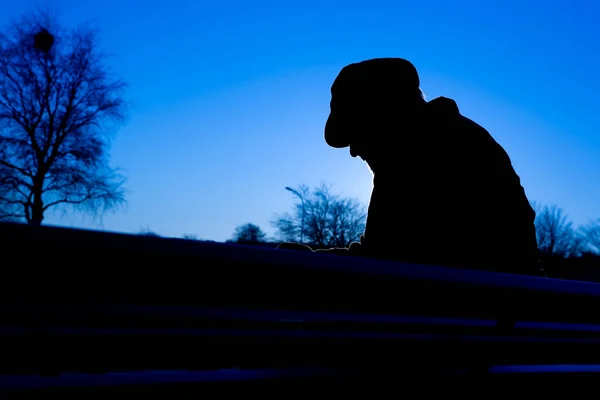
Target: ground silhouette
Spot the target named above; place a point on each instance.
(445, 192)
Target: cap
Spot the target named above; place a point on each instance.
(375, 77)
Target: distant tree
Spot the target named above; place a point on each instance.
(148, 232)
(248, 234)
(58, 105)
(329, 220)
(555, 233)
(591, 233)
(190, 236)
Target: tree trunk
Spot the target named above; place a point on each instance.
(37, 208)
(37, 212)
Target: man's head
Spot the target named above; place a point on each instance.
(369, 100)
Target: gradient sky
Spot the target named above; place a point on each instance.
(229, 98)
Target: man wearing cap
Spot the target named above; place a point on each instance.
(444, 191)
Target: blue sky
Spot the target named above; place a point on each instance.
(229, 98)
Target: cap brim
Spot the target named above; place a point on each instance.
(333, 135)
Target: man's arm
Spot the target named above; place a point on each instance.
(294, 246)
(354, 249)
(511, 214)
(340, 251)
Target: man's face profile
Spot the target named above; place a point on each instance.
(359, 117)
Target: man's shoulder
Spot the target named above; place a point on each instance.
(464, 133)
(474, 132)
(470, 125)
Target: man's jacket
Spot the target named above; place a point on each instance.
(452, 199)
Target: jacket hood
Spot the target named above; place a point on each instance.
(443, 105)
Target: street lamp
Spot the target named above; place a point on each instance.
(303, 211)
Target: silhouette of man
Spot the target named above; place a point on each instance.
(444, 191)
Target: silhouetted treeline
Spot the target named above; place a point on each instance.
(324, 220)
(567, 251)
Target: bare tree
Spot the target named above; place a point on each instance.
(248, 233)
(58, 104)
(555, 233)
(329, 220)
(591, 233)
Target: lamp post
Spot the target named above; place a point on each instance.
(303, 211)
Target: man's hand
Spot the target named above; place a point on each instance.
(294, 246)
(338, 251)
